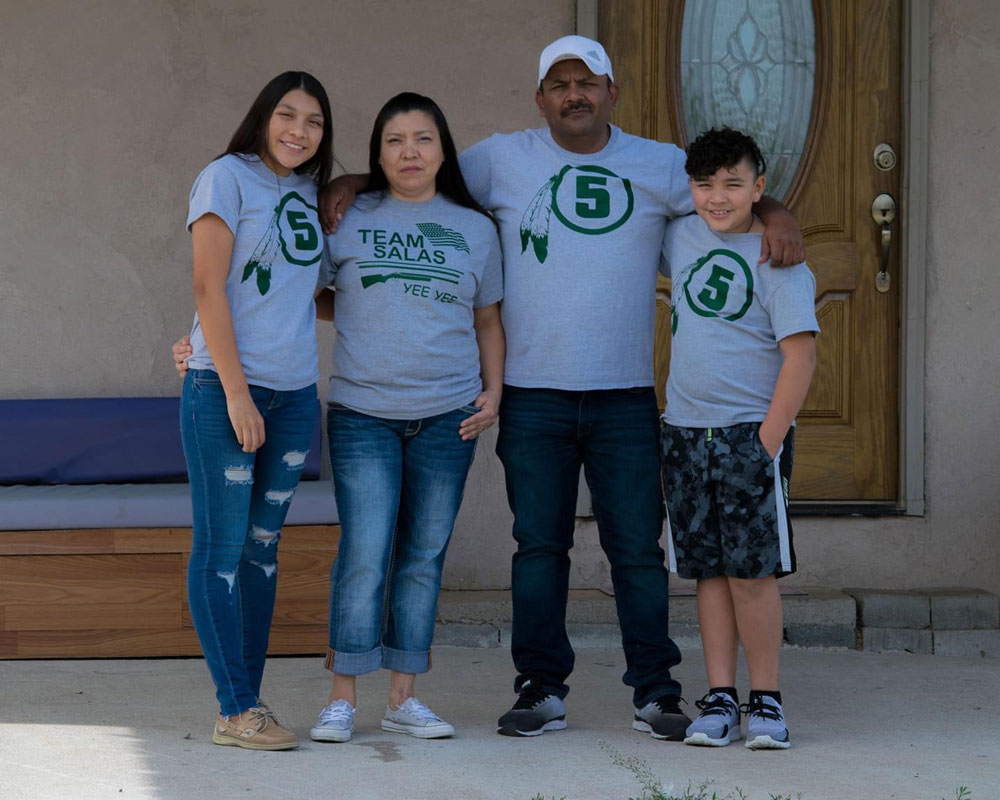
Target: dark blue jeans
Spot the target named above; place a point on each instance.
(545, 435)
(239, 501)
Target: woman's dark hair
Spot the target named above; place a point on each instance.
(720, 148)
(449, 180)
(251, 135)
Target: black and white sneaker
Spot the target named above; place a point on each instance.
(535, 712)
(766, 728)
(662, 719)
(718, 724)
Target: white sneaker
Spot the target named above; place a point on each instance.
(416, 719)
(335, 723)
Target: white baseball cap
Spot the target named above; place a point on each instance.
(580, 47)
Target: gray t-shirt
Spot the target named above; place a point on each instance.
(407, 277)
(277, 250)
(729, 313)
(581, 237)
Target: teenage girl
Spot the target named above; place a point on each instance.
(249, 404)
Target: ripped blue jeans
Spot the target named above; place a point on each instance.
(239, 502)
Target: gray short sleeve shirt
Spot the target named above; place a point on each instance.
(277, 250)
(408, 278)
(581, 236)
(729, 314)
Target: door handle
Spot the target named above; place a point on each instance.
(884, 212)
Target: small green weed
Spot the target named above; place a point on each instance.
(962, 793)
(652, 787)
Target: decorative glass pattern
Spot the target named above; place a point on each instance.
(751, 64)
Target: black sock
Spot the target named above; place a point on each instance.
(776, 696)
(730, 690)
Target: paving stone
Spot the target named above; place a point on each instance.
(809, 635)
(880, 640)
(964, 609)
(819, 606)
(882, 608)
(967, 643)
(462, 635)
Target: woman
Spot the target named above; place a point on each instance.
(417, 376)
(248, 406)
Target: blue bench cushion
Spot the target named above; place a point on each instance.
(100, 440)
(167, 505)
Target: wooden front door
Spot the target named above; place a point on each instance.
(679, 67)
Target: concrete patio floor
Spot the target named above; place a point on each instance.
(863, 726)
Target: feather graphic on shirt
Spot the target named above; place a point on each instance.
(535, 222)
(262, 257)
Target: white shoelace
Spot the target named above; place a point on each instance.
(419, 710)
(340, 711)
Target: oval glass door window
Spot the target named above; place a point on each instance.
(751, 64)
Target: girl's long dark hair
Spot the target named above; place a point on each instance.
(449, 180)
(251, 135)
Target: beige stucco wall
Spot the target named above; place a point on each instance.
(111, 108)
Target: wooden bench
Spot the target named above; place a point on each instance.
(115, 585)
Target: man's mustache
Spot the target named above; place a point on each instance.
(576, 105)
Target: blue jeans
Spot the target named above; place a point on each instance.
(545, 435)
(399, 485)
(239, 502)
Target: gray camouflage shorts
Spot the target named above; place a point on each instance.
(727, 507)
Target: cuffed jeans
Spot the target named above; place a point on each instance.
(545, 435)
(399, 485)
(239, 501)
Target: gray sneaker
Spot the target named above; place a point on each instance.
(535, 712)
(335, 723)
(718, 724)
(766, 729)
(662, 718)
(416, 719)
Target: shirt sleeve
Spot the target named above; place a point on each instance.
(327, 266)
(216, 191)
(666, 250)
(679, 192)
(476, 165)
(490, 289)
(791, 301)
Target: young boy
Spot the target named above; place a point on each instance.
(742, 356)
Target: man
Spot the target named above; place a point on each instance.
(581, 208)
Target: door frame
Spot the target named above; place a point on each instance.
(913, 225)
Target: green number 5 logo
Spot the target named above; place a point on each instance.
(298, 230)
(305, 233)
(591, 188)
(727, 292)
(719, 282)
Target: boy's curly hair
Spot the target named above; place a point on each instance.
(717, 148)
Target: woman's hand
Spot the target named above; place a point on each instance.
(246, 420)
(488, 404)
(336, 197)
(182, 351)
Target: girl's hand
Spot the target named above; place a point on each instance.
(247, 422)
(488, 404)
(182, 350)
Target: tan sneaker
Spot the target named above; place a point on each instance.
(254, 729)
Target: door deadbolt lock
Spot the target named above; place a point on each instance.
(884, 156)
